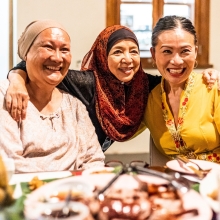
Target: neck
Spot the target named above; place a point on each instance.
(174, 89)
(45, 99)
(39, 93)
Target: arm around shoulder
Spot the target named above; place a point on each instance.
(17, 96)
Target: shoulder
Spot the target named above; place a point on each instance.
(4, 85)
(81, 77)
(72, 100)
(200, 82)
(3, 89)
(198, 76)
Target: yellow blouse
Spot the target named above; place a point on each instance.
(201, 122)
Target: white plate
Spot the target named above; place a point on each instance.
(179, 166)
(208, 185)
(34, 205)
(27, 177)
(191, 199)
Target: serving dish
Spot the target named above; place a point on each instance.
(191, 199)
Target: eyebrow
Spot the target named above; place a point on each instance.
(121, 47)
(172, 47)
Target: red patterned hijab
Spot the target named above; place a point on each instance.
(119, 107)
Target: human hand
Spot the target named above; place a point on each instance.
(16, 101)
(211, 76)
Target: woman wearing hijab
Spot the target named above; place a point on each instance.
(115, 102)
(57, 133)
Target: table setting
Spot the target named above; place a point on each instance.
(127, 191)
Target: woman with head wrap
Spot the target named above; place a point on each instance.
(115, 93)
(57, 133)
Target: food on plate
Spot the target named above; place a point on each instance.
(214, 194)
(6, 197)
(35, 183)
(99, 170)
(62, 195)
(150, 202)
(80, 191)
(125, 204)
(58, 213)
(72, 211)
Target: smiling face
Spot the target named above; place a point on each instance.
(124, 60)
(175, 55)
(49, 57)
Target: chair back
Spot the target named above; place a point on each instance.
(156, 157)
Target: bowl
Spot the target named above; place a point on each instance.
(80, 190)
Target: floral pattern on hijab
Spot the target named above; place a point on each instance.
(119, 107)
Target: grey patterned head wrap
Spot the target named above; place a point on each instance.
(31, 32)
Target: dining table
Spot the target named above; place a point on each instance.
(19, 183)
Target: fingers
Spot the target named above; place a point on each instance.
(17, 111)
(13, 112)
(24, 108)
(16, 105)
(8, 102)
(211, 76)
(214, 76)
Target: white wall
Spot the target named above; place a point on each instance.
(82, 23)
(214, 36)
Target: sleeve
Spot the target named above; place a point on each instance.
(10, 141)
(93, 155)
(80, 84)
(11, 145)
(154, 80)
(21, 66)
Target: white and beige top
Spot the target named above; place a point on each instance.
(65, 140)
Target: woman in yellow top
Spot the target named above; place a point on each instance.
(182, 115)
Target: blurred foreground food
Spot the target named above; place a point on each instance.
(6, 198)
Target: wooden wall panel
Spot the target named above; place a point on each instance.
(112, 12)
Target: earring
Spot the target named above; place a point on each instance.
(153, 64)
(196, 64)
